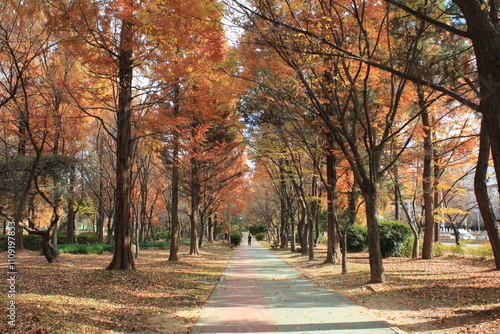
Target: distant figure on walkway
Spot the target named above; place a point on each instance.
(249, 239)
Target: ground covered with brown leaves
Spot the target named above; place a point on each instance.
(77, 295)
(445, 295)
(450, 294)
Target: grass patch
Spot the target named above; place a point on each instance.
(162, 244)
(155, 244)
(481, 252)
(84, 249)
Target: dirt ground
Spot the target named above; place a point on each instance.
(445, 295)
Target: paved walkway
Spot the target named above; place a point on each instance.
(260, 293)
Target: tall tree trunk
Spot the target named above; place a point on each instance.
(174, 232)
(377, 274)
(283, 211)
(483, 200)
(483, 28)
(292, 232)
(210, 233)
(216, 223)
(71, 214)
(353, 212)
(110, 229)
(195, 205)
(71, 219)
(314, 207)
(435, 184)
(300, 231)
(305, 231)
(143, 213)
(333, 254)
(427, 183)
(122, 253)
(398, 200)
(202, 231)
(100, 221)
(311, 239)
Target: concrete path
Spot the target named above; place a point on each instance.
(260, 293)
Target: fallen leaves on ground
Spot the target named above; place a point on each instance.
(445, 295)
(85, 298)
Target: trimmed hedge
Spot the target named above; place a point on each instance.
(393, 237)
(32, 242)
(236, 237)
(85, 238)
(85, 249)
(62, 238)
(356, 238)
(260, 236)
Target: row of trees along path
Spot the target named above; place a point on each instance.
(131, 111)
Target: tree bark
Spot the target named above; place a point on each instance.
(49, 250)
(435, 184)
(210, 233)
(122, 253)
(483, 200)
(377, 273)
(195, 204)
(483, 28)
(174, 232)
(333, 254)
(100, 220)
(216, 226)
(202, 231)
(71, 214)
(71, 218)
(427, 184)
(283, 210)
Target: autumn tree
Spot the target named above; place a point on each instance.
(26, 35)
(475, 23)
(361, 109)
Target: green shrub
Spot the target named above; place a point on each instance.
(155, 244)
(356, 238)
(439, 249)
(482, 252)
(85, 249)
(236, 237)
(32, 242)
(459, 249)
(61, 238)
(3, 242)
(85, 238)
(256, 229)
(162, 235)
(407, 248)
(393, 236)
(260, 236)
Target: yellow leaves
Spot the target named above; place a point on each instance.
(451, 211)
(483, 6)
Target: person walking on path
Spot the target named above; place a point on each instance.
(260, 293)
(249, 239)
